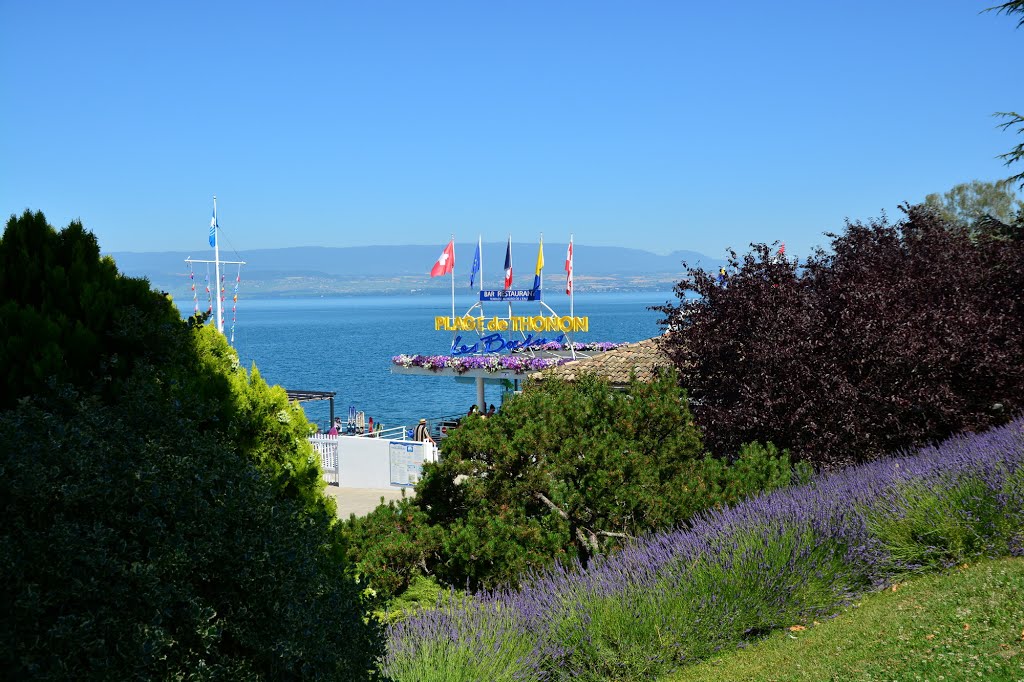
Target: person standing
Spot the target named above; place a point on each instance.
(422, 433)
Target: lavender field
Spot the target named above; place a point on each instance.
(675, 598)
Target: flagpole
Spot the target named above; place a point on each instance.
(508, 252)
(453, 279)
(540, 282)
(480, 250)
(572, 289)
(216, 267)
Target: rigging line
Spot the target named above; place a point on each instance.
(234, 304)
(230, 245)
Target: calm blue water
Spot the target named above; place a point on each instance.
(345, 344)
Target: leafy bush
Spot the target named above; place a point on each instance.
(755, 469)
(899, 335)
(391, 545)
(786, 557)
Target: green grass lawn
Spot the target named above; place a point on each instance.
(964, 624)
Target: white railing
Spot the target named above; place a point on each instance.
(391, 433)
(327, 447)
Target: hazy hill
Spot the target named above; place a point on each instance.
(315, 270)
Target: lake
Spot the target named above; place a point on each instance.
(345, 344)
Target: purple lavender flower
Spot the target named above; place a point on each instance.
(678, 596)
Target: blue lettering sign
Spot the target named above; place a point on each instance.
(493, 343)
(463, 349)
(496, 343)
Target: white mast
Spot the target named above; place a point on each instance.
(216, 268)
(508, 253)
(572, 288)
(215, 242)
(453, 278)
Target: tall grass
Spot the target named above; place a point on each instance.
(789, 556)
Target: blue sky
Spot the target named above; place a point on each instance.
(656, 125)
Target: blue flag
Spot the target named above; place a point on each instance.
(476, 265)
(213, 229)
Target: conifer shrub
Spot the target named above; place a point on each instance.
(71, 319)
(390, 546)
(163, 512)
(257, 417)
(137, 547)
(897, 335)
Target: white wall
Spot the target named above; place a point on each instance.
(365, 462)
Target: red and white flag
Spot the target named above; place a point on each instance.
(568, 269)
(782, 249)
(508, 264)
(445, 262)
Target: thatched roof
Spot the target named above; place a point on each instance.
(642, 359)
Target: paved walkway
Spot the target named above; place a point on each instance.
(361, 501)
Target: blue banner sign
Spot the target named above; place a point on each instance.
(510, 294)
(496, 343)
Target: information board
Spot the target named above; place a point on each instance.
(406, 462)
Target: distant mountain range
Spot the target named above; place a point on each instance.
(312, 270)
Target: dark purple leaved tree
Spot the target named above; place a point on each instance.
(900, 334)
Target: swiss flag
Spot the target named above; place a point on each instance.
(445, 262)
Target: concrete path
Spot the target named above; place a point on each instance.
(361, 501)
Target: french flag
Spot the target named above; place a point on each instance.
(508, 264)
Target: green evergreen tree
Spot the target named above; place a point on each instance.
(163, 513)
